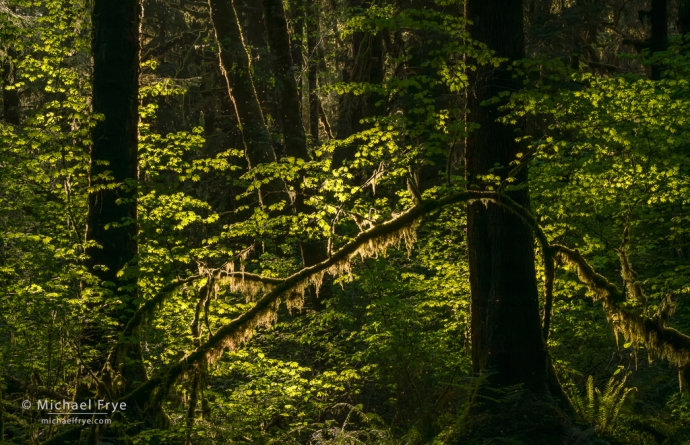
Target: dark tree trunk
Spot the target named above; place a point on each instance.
(10, 96)
(235, 65)
(312, 44)
(112, 215)
(297, 16)
(253, 28)
(506, 328)
(291, 118)
(659, 40)
(364, 65)
(113, 211)
(286, 86)
(684, 16)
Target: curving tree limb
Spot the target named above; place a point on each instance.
(367, 243)
(660, 340)
(652, 332)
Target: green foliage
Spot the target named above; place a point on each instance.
(387, 359)
(601, 408)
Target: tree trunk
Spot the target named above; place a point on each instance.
(253, 28)
(297, 16)
(684, 377)
(312, 67)
(235, 65)
(659, 40)
(365, 65)
(286, 86)
(112, 214)
(291, 119)
(10, 96)
(505, 328)
(684, 17)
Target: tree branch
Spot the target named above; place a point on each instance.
(146, 308)
(660, 340)
(161, 49)
(367, 243)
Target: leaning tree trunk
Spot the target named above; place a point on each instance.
(235, 65)
(112, 214)
(505, 328)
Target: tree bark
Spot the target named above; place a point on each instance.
(505, 328)
(10, 96)
(659, 40)
(291, 119)
(112, 213)
(235, 65)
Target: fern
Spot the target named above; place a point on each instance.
(339, 435)
(602, 408)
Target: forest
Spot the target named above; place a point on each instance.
(343, 222)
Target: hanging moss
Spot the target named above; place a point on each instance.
(652, 332)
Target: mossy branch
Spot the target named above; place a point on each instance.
(601, 288)
(660, 340)
(254, 277)
(148, 307)
(263, 312)
(632, 286)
